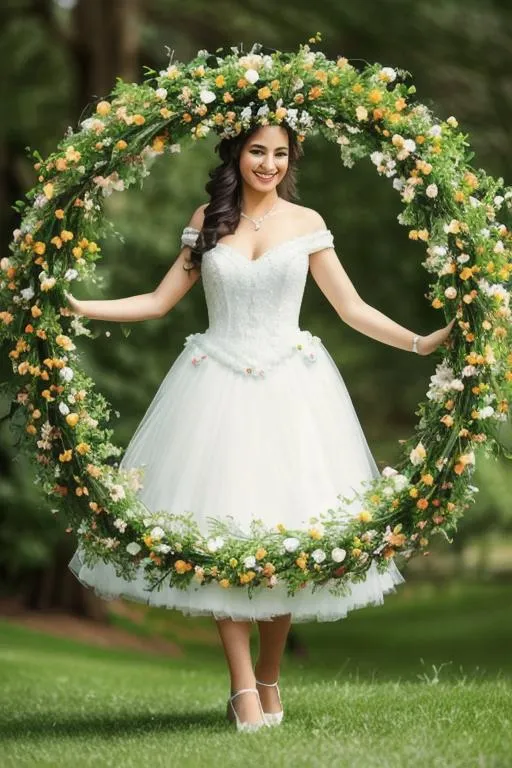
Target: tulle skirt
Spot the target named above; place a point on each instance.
(281, 449)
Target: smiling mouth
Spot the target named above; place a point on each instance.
(265, 176)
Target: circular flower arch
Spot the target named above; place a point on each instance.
(458, 214)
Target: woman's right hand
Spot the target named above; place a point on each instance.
(75, 304)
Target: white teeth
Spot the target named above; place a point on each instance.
(265, 176)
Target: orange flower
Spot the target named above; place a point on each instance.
(422, 503)
(264, 92)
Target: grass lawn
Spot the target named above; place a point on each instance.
(425, 680)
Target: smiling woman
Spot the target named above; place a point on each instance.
(248, 491)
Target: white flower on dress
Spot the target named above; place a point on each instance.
(157, 533)
(338, 554)
(432, 190)
(120, 524)
(291, 544)
(215, 544)
(387, 74)
(250, 561)
(161, 93)
(318, 555)
(133, 548)
(63, 408)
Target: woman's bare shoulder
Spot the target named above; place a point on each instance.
(307, 218)
(197, 218)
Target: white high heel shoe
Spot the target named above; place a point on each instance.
(233, 714)
(273, 718)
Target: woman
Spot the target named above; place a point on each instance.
(260, 426)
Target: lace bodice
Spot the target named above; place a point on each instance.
(254, 306)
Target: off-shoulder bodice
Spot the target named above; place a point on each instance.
(254, 306)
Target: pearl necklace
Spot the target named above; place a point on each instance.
(259, 220)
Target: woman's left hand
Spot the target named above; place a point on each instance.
(428, 344)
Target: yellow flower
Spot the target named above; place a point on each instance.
(72, 419)
(365, 516)
(356, 552)
(82, 448)
(59, 213)
(301, 562)
(220, 81)
(181, 566)
(264, 93)
(166, 113)
(413, 493)
(39, 248)
(61, 164)
(139, 119)
(121, 144)
(31, 429)
(103, 108)
(48, 190)
(375, 96)
(245, 578)
(66, 235)
(66, 455)
(427, 479)
(224, 583)
(260, 553)
(158, 144)
(233, 562)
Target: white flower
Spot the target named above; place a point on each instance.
(63, 408)
(48, 283)
(450, 292)
(161, 93)
(338, 554)
(361, 113)
(70, 274)
(214, 544)
(251, 76)
(66, 373)
(250, 561)
(163, 548)
(452, 121)
(117, 493)
(246, 113)
(388, 472)
(498, 200)
(400, 482)
(157, 533)
(377, 158)
(291, 544)
(109, 183)
(485, 412)
(431, 190)
(120, 524)
(318, 555)
(5, 264)
(463, 258)
(133, 548)
(435, 130)
(27, 293)
(469, 370)
(418, 454)
(409, 145)
(207, 96)
(387, 74)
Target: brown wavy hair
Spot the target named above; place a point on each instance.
(222, 214)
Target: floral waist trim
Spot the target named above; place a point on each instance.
(252, 360)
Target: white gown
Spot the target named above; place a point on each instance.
(247, 425)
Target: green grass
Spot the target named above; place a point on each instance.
(425, 680)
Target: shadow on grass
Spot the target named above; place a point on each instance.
(100, 726)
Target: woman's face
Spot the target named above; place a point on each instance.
(264, 158)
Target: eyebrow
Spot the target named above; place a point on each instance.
(261, 146)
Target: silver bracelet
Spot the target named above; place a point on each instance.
(415, 344)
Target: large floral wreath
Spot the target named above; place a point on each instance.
(455, 211)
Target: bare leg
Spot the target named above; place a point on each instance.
(272, 643)
(235, 637)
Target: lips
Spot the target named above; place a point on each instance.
(265, 177)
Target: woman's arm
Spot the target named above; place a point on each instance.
(337, 287)
(146, 306)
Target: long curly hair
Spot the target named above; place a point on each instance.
(222, 214)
